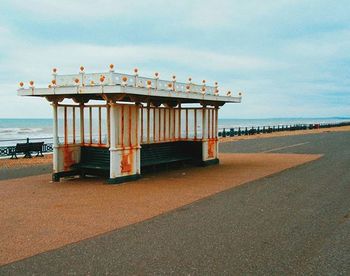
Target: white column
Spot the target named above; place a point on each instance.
(138, 139)
(125, 143)
(204, 134)
(216, 131)
(55, 138)
(114, 158)
(81, 118)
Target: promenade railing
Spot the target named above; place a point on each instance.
(7, 150)
(240, 131)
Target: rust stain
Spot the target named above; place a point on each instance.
(211, 148)
(137, 127)
(122, 125)
(125, 164)
(129, 127)
(68, 160)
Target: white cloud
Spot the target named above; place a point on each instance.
(33, 61)
(84, 10)
(325, 45)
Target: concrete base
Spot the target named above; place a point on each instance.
(122, 179)
(210, 162)
(57, 176)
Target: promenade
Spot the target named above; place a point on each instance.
(277, 205)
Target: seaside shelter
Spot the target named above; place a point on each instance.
(117, 124)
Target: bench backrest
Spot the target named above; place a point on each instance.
(95, 156)
(150, 153)
(24, 147)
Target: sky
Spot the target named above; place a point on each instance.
(290, 58)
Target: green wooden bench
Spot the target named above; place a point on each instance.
(27, 149)
(96, 160)
(93, 160)
(162, 153)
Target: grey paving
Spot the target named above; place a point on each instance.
(294, 222)
(23, 172)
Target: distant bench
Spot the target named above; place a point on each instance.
(27, 149)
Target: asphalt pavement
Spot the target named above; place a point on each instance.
(293, 222)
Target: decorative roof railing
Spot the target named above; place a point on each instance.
(111, 78)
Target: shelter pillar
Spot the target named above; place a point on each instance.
(209, 137)
(125, 142)
(55, 138)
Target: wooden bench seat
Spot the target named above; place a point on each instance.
(93, 160)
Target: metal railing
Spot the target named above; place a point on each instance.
(9, 150)
(240, 131)
(113, 78)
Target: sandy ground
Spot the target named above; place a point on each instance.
(37, 215)
(284, 133)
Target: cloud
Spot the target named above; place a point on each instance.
(68, 58)
(326, 45)
(289, 57)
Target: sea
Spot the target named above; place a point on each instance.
(13, 131)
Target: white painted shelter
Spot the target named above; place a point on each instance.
(118, 124)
